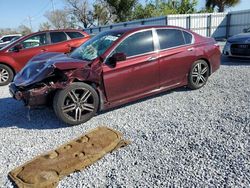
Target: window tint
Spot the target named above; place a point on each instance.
(74, 35)
(58, 37)
(36, 40)
(138, 43)
(170, 38)
(188, 37)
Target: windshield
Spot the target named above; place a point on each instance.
(96, 46)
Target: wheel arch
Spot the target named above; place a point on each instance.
(8, 65)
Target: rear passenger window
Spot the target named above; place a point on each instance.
(188, 37)
(58, 37)
(74, 35)
(136, 44)
(170, 38)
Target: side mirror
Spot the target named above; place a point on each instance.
(1, 41)
(17, 48)
(115, 58)
(244, 30)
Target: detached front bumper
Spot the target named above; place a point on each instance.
(33, 97)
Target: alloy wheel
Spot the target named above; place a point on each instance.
(199, 74)
(77, 104)
(4, 75)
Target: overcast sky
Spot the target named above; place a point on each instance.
(16, 12)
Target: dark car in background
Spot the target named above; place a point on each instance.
(15, 55)
(238, 45)
(116, 67)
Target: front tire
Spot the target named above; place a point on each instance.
(198, 74)
(76, 104)
(6, 75)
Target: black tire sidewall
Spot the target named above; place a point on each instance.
(10, 72)
(191, 85)
(59, 100)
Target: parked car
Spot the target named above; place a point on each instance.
(116, 67)
(238, 45)
(15, 55)
(4, 40)
(12, 40)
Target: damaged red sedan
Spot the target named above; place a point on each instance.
(116, 67)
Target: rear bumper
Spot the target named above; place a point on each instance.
(33, 97)
(215, 60)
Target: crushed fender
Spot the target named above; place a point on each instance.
(46, 170)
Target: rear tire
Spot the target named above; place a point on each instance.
(6, 75)
(76, 104)
(198, 74)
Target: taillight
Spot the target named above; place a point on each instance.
(217, 46)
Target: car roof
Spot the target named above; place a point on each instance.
(138, 28)
(60, 30)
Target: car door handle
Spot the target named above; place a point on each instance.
(190, 49)
(152, 59)
(44, 50)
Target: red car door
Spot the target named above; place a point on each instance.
(136, 75)
(30, 47)
(176, 56)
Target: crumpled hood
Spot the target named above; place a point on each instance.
(240, 38)
(42, 65)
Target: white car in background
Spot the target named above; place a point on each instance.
(4, 40)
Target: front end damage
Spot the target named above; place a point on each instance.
(37, 83)
(37, 95)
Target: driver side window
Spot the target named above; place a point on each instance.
(136, 44)
(34, 41)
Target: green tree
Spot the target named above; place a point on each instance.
(122, 9)
(141, 12)
(221, 5)
(182, 6)
(101, 14)
(162, 8)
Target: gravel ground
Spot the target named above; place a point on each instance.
(181, 138)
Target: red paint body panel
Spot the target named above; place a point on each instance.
(17, 60)
(131, 77)
(175, 65)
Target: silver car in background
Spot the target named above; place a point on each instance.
(238, 45)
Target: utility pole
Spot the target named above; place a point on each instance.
(53, 6)
(53, 9)
(29, 19)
